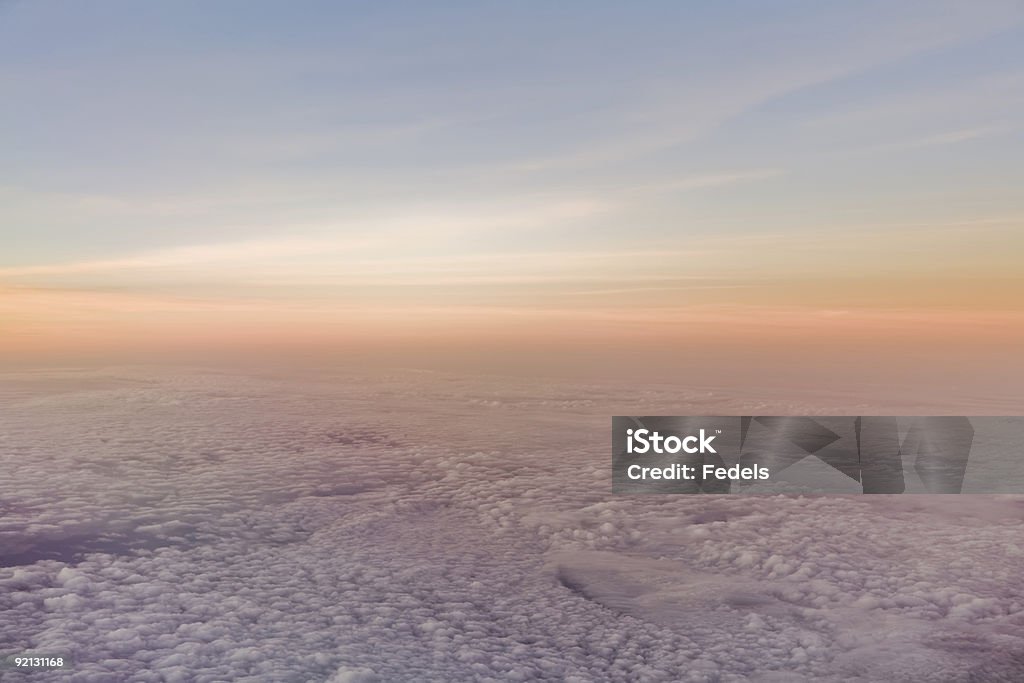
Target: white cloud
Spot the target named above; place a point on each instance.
(196, 526)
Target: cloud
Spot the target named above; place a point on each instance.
(190, 525)
(708, 180)
(941, 139)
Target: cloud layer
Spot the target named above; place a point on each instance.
(417, 527)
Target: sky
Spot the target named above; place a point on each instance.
(549, 179)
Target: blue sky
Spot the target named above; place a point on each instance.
(380, 152)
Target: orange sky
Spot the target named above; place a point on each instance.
(719, 192)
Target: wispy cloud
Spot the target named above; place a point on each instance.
(707, 180)
(941, 139)
(189, 256)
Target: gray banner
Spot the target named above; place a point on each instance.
(814, 454)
